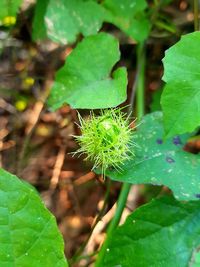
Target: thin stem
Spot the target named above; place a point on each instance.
(126, 187)
(165, 26)
(133, 91)
(77, 256)
(115, 221)
(140, 94)
(139, 68)
(196, 15)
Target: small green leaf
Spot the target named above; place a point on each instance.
(161, 162)
(9, 8)
(28, 232)
(65, 19)
(181, 96)
(129, 16)
(161, 233)
(84, 81)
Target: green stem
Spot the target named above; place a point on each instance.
(115, 221)
(77, 256)
(196, 15)
(165, 26)
(121, 203)
(140, 93)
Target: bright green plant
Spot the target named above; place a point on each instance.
(164, 232)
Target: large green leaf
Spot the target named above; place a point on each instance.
(129, 16)
(161, 162)
(28, 233)
(65, 19)
(162, 233)
(181, 97)
(9, 8)
(84, 81)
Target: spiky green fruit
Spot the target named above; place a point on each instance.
(106, 139)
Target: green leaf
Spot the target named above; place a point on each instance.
(155, 103)
(129, 16)
(28, 232)
(39, 30)
(180, 103)
(161, 162)
(161, 233)
(65, 19)
(84, 81)
(9, 8)
(181, 96)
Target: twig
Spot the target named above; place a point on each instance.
(1, 147)
(57, 167)
(6, 106)
(85, 178)
(35, 116)
(3, 134)
(196, 15)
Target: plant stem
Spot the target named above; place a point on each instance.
(138, 83)
(165, 26)
(120, 207)
(77, 256)
(121, 203)
(196, 15)
(140, 93)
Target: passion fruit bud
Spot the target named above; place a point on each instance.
(109, 131)
(106, 139)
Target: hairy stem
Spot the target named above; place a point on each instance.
(121, 203)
